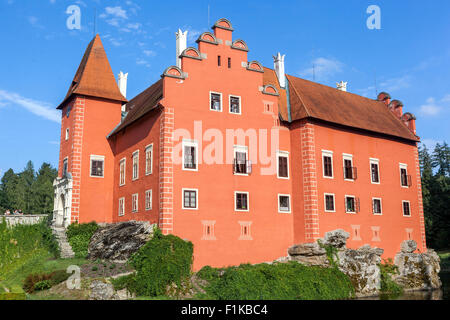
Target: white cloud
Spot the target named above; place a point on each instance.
(388, 85)
(431, 107)
(39, 108)
(446, 98)
(116, 12)
(149, 53)
(322, 68)
(430, 143)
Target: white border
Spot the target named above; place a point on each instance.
(237, 148)
(67, 134)
(400, 167)
(123, 206)
(377, 162)
(229, 104)
(285, 154)
(182, 198)
(137, 202)
(132, 166)
(190, 143)
(325, 202)
(354, 198)
(381, 207)
(124, 161)
(151, 200)
(403, 210)
(221, 101)
(346, 156)
(149, 172)
(235, 201)
(290, 203)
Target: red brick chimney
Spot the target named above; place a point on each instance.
(385, 97)
(410, 121)
(396, 107)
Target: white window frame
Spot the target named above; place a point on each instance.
(229, 104)
(328, 154)
(196, 198)
(242, 149)
(149, 171)
(354, 199)
(377, 162)
(135, 201)
(96, 158)
(403, 209)
(346, 156)
(67, 134)
(381, 207)
(325, 202)
(122, 207)
(124, 161)
(221, 101)
(190, 143)
(403, 166)
(235, 201)
(290, 203)
(135, 155)
(148, 200)
(284, 154)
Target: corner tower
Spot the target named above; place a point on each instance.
(90, 110)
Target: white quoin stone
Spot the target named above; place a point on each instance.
(342, 86)
(181, 44)
(123, 78)
(279, 69)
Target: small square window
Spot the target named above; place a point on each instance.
(235, 104)
(284, 203)
(241, 201)
(376, 206)
(329, 203)
(215, 101)
(283, 166)
(97, 166)
(189, 199)
(351, 204)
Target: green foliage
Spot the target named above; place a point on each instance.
(332, 254)
(279, 281)
(44, 281)
(161, 262)
(208, 273)
(388, 286)
(125, 282)
(79, 236)
(435, 171)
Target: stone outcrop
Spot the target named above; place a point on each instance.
(417, 271)
(100, 290)
(117, 242)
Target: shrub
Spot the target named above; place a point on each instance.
(79, 236)
(44, 281)
(160, 263)
(279, 281)
(42, 285)
(388, 286)
(208, 273)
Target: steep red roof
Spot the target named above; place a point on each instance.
(94, 76)
(313, 100)
(140, 105)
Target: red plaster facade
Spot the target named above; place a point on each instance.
(262, 229)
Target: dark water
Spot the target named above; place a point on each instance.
(443, 294)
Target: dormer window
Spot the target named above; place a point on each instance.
(215, 101)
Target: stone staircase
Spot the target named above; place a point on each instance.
(64, 246)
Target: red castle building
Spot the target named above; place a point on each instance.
(242, 160)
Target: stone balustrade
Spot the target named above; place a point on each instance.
(12, 220)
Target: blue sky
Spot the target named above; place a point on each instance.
(409, 56)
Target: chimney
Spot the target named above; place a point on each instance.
(181, 45)
(279, 69)
(342, 86)
(123, 83)
(396, 107)
(385, 98)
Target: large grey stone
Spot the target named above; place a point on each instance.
(336, 238)
(408, 246)
(117, 242)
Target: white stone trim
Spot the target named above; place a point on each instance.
(196, 198)
(235, 201)
(279, 205)
(325, 202)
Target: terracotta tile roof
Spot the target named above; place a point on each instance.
(94, 76)
(313, 100)
(140, 105)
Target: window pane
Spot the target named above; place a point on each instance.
(235, 105)
(327, 166)
(284, 203)
(282, 167)
(215, 102)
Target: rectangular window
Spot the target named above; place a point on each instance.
(65, 167)
(406, 208)
(241, 164)
(190, 199)
(67, 134)
(148, 200)
(149, 159)
(235, 104)
(376, 206)
(190, 155)
(97, 166)
(284, 203)
(351, 204)
(329, 202)
(327, 162)
(405, 179)
(219, 61)
(349, 169)
(136, 165)
(134, 202)
(122, 168)
(283, 165)
(229, 63)
(121, 207)
(241, 201)
(374, 171)
(215, 101)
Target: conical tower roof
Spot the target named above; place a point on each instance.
(94, 76)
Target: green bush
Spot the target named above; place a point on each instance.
(161, 262)
(388, 286)
(79, 236)
(42, 285)
(279, 281)
(208, 273)
(44, 281)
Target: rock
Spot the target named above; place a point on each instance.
(417, 271)
(336, 238)
(310, 254)
(101, 291)
(408, 246)
(117, 242)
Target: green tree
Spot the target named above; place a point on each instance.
(9, 190)
(42, 190)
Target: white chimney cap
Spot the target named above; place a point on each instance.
(279, 69)
(342, 86)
